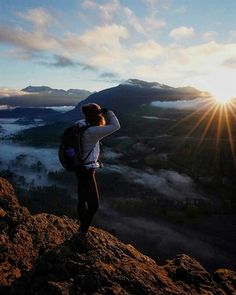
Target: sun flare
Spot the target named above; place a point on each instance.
(222, 99)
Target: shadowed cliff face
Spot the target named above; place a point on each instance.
(42, 254)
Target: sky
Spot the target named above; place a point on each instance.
(91, 44)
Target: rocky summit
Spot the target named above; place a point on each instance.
(43, 254)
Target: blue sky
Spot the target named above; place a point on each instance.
(93, 44)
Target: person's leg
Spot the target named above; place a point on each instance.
(92, 199)
(82, 193)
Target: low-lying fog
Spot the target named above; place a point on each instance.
(169, 183)
(183, 104)
(10, 126)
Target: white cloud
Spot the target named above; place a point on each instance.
(133, 20)
(197, 103)
(6, 92)
(182, 33)
(230, 63)
(109, 9)
(157, 4)
(147, 50)
(154, 24)
(40, 17)
(89, 4)
(101, 47)
(106, 11)
(112, 12)
(108, 35)
(209, 36)
(171, 184)
(180, 9)
(36, 40)
(232, 35)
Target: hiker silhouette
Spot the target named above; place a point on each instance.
(102, 122)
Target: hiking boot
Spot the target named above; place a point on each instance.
(83, 242)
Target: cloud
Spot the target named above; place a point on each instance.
(232, 34)
(145, 25)
(168, 183)
(109, 9)
(154, 24)
(182, 33)
(98, 47)
(28, 40)
(60, 61)
(230, 63)
(133, 20)
(157, 4)
(106, 11)
(6, 92)
(107, 35)
(147, 50)
(39, 17)
(182, 104)
(89, 4)
(209, 36)
(180, 9)
(109, 75)
(112, 11)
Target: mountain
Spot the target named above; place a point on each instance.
(29, 113)
(77, 92)
(33, 89)
(140, 84)
(49, 90)
(44, 96)
(41, 254)
(132, 94)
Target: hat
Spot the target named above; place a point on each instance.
(91, 111)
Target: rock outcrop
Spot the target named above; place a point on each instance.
(42, 254)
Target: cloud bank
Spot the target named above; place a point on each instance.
(181, 104)
(168, 183)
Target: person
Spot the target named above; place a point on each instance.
(102, 123)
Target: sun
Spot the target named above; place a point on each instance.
(222, 100)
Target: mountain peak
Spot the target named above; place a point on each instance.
(37, 89)
(43, 251)
(141, 83)
(49, 90)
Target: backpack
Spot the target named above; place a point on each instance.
(70, 150)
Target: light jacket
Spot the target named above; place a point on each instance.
(92, 135)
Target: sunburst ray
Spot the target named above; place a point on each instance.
(230, 137)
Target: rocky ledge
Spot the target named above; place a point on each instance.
(42, 254)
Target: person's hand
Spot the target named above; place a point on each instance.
(104, 111)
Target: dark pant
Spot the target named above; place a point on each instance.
(88, 197)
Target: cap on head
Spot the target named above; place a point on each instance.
(91, 111)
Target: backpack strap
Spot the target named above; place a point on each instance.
(88, 154)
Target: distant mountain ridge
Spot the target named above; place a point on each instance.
(132, 94)
(44, 96)
(49, 90)
(141, 83)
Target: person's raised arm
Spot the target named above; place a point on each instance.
(112, 125)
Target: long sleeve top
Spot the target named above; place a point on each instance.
(92, 136)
